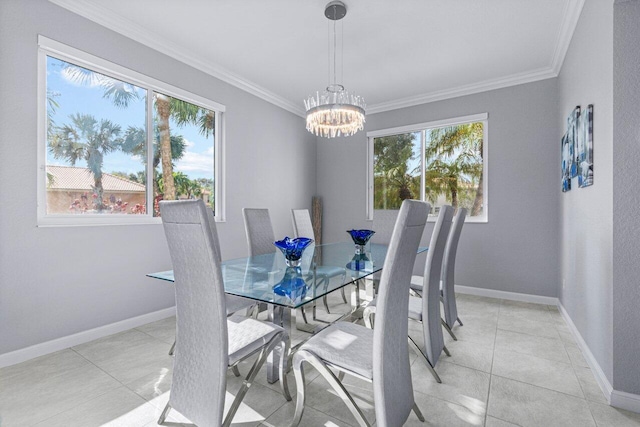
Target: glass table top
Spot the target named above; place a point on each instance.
(323, 269)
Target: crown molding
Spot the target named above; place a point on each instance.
(128, 28)
(487, 85)
(570, 19)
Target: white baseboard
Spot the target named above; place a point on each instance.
(624, 400)
(514, 296)
(619, 399)
(601, 378)
(27, 353)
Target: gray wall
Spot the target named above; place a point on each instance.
(626, 197)
(59, 281)
(586, 214)
(517, 250)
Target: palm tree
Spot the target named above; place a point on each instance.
(134, 143)
(122, 93)
(457, 156)
(393, 181)
(88, 139)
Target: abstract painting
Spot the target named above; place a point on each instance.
(584, 148)
(567, 160)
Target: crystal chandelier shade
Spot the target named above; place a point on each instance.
(335, 112)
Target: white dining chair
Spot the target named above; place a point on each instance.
(380, 356)
(302, 227)
(426, 309)
(233, 303)
(209, 341)
(447, 283)
(260, 236)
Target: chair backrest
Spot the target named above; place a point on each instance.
(201, 357)
(214, 232)
(302, 225)
(431, 326)
(260, 237)
(449, 267)
(392, 387)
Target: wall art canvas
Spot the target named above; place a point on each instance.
(572, 134)
(567, 160)
(584, 148)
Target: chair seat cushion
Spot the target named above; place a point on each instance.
(235, 303)
(346, 345)
(416, 283)
(415, 308)
(246, 335)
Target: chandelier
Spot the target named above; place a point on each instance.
(334, 111)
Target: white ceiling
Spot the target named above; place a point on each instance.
(396, 53)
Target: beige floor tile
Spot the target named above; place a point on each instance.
(129, 355)
(116, 408)
(608, 416)
(545, 348)
(545, 373)
(590, 387)
(496, 422)
(469, 354)
(566, 337)
(152, 385)
(321, 396)
(164, 330)
(527, 311)
(463, 386)
(28, 399)
(310, 418)
(523, 325)
(527, 405)
(439, 412)
(575, 355)
(51, 364)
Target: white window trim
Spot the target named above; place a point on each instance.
(420, 127)
(49, 47)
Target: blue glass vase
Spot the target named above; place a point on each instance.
(292, 249)
(361, 238)
(292, 284)
(360, 262)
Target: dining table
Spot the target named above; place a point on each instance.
(323, 269)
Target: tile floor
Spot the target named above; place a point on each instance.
(514, 364)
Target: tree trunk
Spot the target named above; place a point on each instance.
(454, 193)
(163, 108)
(99, 193)
(477, 203)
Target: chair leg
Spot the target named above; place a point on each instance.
(262, 357)
(298, 372)
(284, 367)
(459, 321)
(368, 315)
(326, 304)
(416, 410)
(302, 356)
(172, 349)
(448, 329)
(164, 414)
(426, 359)
(304, 315)
(235, 370)
(344, 295)
(446, 350)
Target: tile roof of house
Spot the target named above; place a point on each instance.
(72, 178)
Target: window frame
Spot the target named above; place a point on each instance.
(422, 127)
(55, 49)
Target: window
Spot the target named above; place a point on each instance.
(115, 142)
(442, 162)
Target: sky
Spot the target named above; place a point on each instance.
(72, 98)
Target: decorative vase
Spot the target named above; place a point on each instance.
(360, 262)
(292, 284)
(292, 249)
(360, 238)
